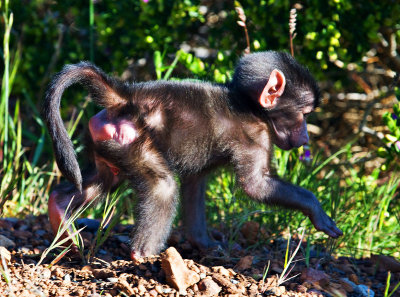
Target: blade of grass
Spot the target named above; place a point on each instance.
(172, 66)
(91, 29)
(283, 276)
(5, 87)
(287, 250)
(66, 224)
(322, 165)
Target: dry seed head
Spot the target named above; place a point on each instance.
(241, 14)
(292, 21)
(241, 24)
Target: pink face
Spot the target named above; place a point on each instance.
(291, 133)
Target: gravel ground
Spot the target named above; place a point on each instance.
(181, 270)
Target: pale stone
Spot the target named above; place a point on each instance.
(176, 271)
(208, 287)
(6, 242)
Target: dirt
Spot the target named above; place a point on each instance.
(181, 270)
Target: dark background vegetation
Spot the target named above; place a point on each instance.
(350, 46)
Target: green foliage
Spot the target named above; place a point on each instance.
(194, 65)
(391, 152)
(116, 34)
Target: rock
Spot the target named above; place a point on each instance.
(4, 224)
(278, 291)
(253, 290)
(13, 221)
(21, 226)
(312, 275)
(250, 231)
(123, 238)
(221, 270)
(159, 289)
(87, 268)
(141, 289)
(270, 282)
(347, 268)
(301, 289)
(230, 288)
(354, 278)
(103, 273)
(347, 285)
(307, 285)
(40, 232)
(57, 272)
(89, 224)
(336, 289)
(4, 241)
(22, 234)
(24, 250)
(364, 291)
(79, 292)
(208, 287)
(26, 293)
(124, 286)
(176, 272)
(153, 293)
(386, 263)
(4, 254)
(244, 263)
(112, 279)
(193, 267)
(46, 273)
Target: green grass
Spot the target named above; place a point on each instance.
(21, 179)
(364, 209)
(387, 294)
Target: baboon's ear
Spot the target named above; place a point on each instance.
(273, 89)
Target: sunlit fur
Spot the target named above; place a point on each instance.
(186, 129)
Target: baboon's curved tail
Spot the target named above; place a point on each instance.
(104, 90)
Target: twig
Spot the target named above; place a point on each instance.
(361, 82)
(371, 105)
(387, 47)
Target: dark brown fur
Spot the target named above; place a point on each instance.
(187, 128)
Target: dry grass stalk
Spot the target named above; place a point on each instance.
(242, 23)
(292, 28)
